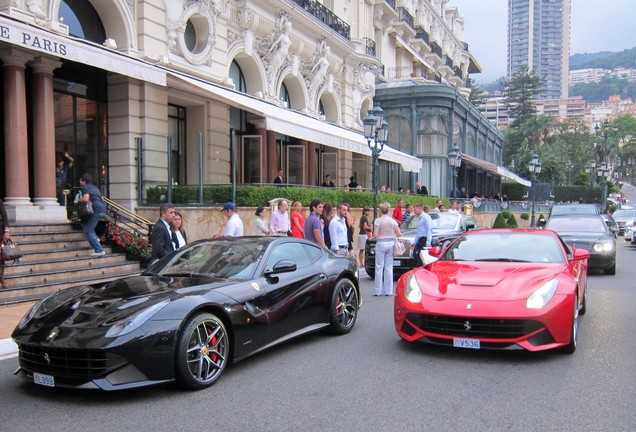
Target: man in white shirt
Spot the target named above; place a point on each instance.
(338, 230)
(455, 208)
(279, 221)
(234, 227)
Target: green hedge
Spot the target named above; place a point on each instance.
(254, 196)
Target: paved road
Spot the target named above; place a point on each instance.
(369, 380)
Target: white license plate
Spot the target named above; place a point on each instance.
(466, 343)
(45, 380)
(397, 263)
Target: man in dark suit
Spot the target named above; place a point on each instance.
(421, 189)
(328, 182)
(161, 237)
(279, 178)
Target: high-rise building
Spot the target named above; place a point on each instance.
(539, 37)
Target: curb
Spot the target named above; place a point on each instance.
(8, 348)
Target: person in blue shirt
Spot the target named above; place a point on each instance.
(424, 234)
(88, 191)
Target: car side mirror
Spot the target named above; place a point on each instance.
(580, 254)
(282, 266)
(435, 251)
(470, 226)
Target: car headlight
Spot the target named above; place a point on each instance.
(134, 321)
(543, 295)
(603, 246)
(412, 290)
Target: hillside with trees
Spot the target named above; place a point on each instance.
(604, 59)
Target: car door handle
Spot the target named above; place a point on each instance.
(322, 276)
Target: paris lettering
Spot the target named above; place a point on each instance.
(43, 44)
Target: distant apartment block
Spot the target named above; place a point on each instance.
(495, 110)
(539, 37)
(594, 75)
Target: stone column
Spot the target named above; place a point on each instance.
(44, 132)
(312, 164)
(15, 131)
(273, 164)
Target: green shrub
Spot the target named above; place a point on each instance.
(505, 219)
(500, 222)
(524, 216)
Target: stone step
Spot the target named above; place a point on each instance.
(54, 263)
(20, 294)
(23, 229)
(52, 245)
(33, 257)
(88, 273)
(47, 236)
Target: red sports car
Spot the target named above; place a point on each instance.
(496, 289)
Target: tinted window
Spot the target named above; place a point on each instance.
(590, 225)
(624, 214)
(590, 209)
(293, 252)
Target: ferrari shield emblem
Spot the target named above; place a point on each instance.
(256, 286)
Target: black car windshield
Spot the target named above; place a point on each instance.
(506, 246)
(590, 209)
(216, 259)
(624, 214)
(578, 225)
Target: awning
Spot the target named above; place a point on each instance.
(494, 169)
(80, 51)
(293, 123)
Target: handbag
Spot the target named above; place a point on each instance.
(11, 251)
(398, 248)
(85, 210)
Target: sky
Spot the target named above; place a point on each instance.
(606, 25)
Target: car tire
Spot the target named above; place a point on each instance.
(583, 308)
(574, 330)
(370, 272)
(202, 352)
(344, 307)
(612, 270)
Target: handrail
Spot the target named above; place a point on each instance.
(133, 216)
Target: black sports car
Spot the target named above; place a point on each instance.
(447, 226)
(189, 315)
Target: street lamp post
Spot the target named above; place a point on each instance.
(376, 130)
(602, 173)
(455, 161)
(535, 169)
(604, 131)
(569, 165)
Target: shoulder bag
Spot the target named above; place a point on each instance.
(398, 247)
(10, 251)
(85, 210)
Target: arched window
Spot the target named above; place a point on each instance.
(237, 76)
(284, 95)
(82, 20)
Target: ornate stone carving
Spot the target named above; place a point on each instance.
(316, 70)
(363, 87)
(275, 50)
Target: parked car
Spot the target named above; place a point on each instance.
(624, 218)
(447, 226)
(500, 289)
(574, 209)
(189, 315)
(589, 232)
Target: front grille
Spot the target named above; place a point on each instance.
(79, 364)
(473, 327)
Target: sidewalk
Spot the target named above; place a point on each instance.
(9, 317)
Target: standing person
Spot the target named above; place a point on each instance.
(6, 236)
(279, 221)
(397, 212)
(161, 235)
(352, 183)
(234, 227)
(298, 221)
(279, 178)
(338, 230)
(421, 189)
(328, 182)
(455, 207)
(260, 227)
(386, 230)
(424, 229)
(179, 236)
(313, 224)
(88, 191)
(350, 228)
(327, 214)
(61, 176)
(407, 212)
(363, 234)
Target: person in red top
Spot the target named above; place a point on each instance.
(397, 213)
(298, 221)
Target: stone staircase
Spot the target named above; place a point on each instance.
(55, 257)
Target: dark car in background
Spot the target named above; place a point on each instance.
(624, 218)
(447, 226)
(591, 233)
(575, 209)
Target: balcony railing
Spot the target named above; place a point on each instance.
(436, 49)
(369, 45)
(458, 73)
(408, 72)
(404, 15)
(326, 16)
(391, 3)
(449, 62)
(422, 34)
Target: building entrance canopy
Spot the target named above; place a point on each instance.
(494, 169)
(301, 126)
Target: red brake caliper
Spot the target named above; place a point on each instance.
(213, 356)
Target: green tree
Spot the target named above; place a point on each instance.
(519, 94)
(477, 95)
